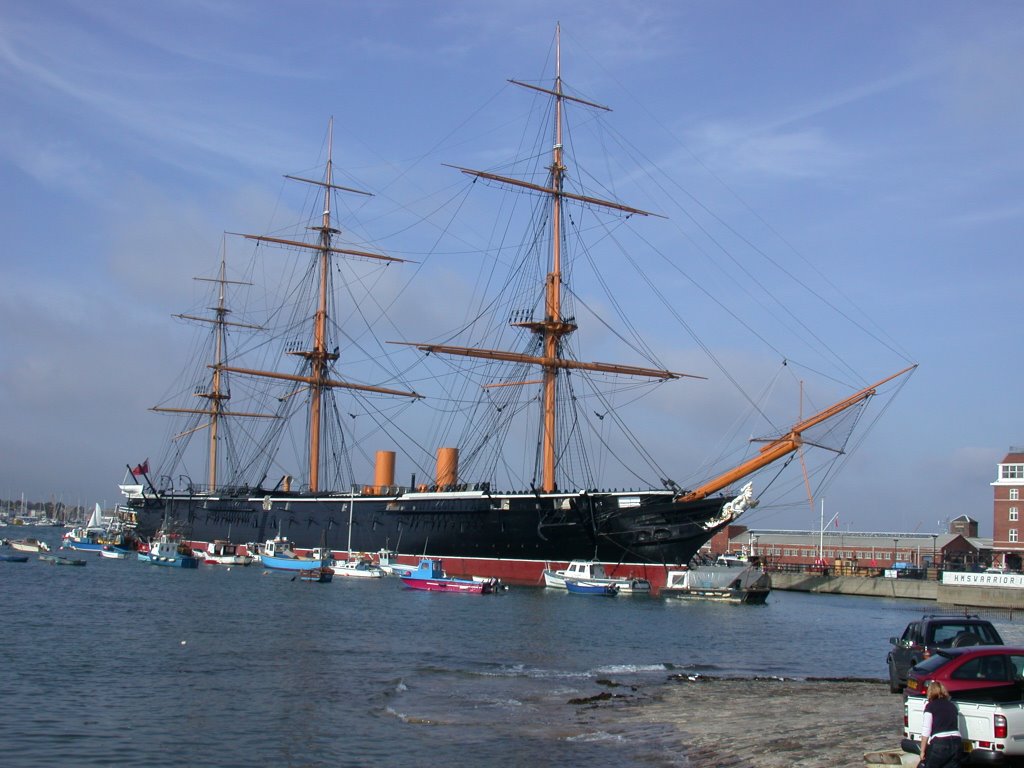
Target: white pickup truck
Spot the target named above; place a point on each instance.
(993, 733)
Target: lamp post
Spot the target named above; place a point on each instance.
(935, 565)
(895, 550)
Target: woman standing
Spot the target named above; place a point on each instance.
(941, 746)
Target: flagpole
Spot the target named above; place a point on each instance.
(821, 533)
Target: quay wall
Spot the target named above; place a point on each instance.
(972, 596)
(919, 589)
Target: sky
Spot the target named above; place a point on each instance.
(878, 141)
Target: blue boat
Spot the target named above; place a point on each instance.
(578, 587)
(169, 549)
(279, 555)
(13, 558)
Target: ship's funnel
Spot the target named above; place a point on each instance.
(447, 467)
(384, 470)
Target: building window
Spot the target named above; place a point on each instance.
(1011, 472)
(1013, 535)
(1014, 494)
(1013, 513)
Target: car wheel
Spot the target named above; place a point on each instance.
(895, 686)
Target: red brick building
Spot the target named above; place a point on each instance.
(1007, 526)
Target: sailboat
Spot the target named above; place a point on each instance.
(559, 514)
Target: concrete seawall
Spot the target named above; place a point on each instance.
(911, 589)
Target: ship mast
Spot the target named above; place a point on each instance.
(553, 328)
(319, 358)
(217, 395)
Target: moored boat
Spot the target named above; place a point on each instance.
(28, 545)
(279, 554)
(429, 575)
(721, 583)
(225, 553)
(61, 560)
(169, 549)
(320, 575)
(584, 587)
(111, 552)
(593, 571)
(357, 568)
(5, 558)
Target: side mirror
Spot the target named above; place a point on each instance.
(894, 640)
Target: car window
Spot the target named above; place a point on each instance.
(910, 634)
(991, 668)
(987, 633)
(930, 665)
(1017, 662)
(943, 635)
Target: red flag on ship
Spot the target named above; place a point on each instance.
(141, 469)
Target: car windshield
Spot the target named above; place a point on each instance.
(944, 635)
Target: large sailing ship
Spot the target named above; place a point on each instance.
(471, 524)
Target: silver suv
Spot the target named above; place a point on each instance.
(920, 639)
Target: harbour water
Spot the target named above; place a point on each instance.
(122, 663)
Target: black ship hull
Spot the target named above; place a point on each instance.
(471, 531)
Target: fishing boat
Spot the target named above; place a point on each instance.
(62, 560)
(170, 549)
(388, 563)
(279, 554)
(583, 587)
(720, 583)
(429, 575)
(221, 552)
(592, 571)
(357, 568)
(486, 511)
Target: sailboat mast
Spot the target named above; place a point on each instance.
(553, 328)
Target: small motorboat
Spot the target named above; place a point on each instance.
(221, 552)
(111, 552)
(317, 575)
(429, 575)
(580, 587)
(592, 571)
(13, 558)
(358, 567)
(61, 560)
(387, 561)
(29, 545)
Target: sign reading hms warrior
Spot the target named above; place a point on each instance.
(983, 579)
